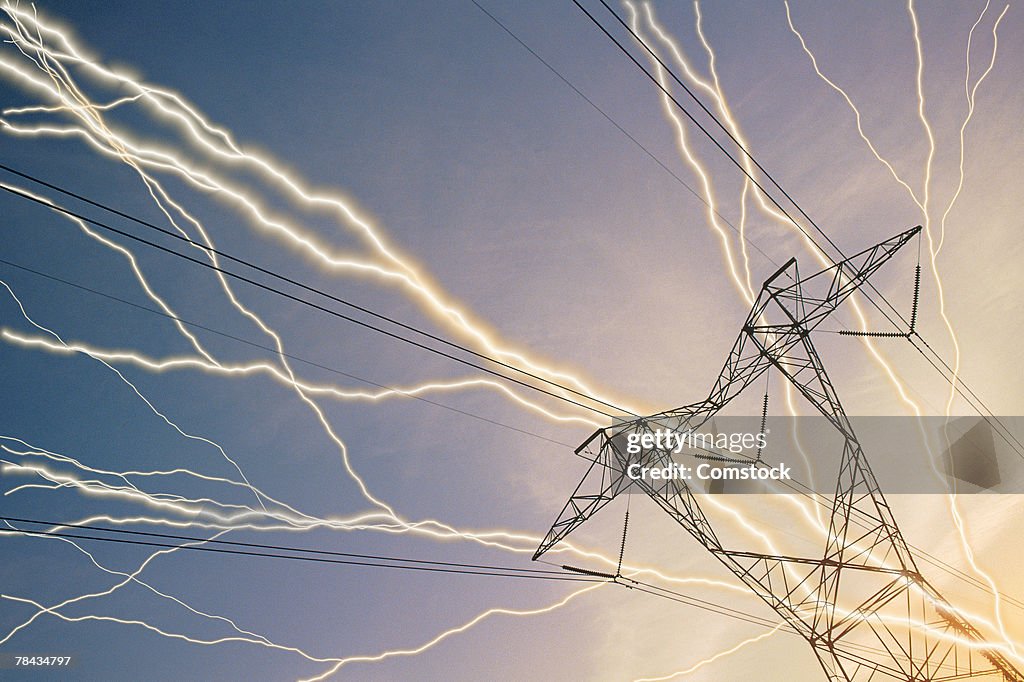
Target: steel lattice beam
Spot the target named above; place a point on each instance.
(865, 566)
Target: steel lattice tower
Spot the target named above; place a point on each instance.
(893, 624)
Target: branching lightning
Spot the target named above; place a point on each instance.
(708, 661)
(923, 203)
(53, 53)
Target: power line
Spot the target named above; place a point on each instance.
(797, 487)
(212, 266)
(369, 560)
(276, 552)
(737, 614)
(986, 412)
(243, 278)
(372, 561)
(300, 300)
(335, 313)
(1006, 434)
(625, 132)
(421, 332)
(954, 380)
(705, 605)
(289, 280)
(693, 119)
(275, 351)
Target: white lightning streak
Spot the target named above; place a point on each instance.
(231, 369)
(453, 631)
(707, 661)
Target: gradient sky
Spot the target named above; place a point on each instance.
(548, 226)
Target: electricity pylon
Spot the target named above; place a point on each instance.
(863, 606)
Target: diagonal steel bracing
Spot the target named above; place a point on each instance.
(862, 604)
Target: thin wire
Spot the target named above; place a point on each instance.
(243, 278)
(335, 313)
(284, 278)
(428, 565)
(275, 351)
(797, 487)
(300, 300)
(706, 605)
(693, 120)
(252, 282)
(672, 595)
(625, 132)
(955, 381)
(301, 553)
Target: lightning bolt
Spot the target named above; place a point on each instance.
(698, 169)
(172, 107)
(708, 661)
(454, 631)
(233, 369)
(720, 102)
(923, 204)
(218, 142)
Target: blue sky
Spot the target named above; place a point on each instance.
(538, 218)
